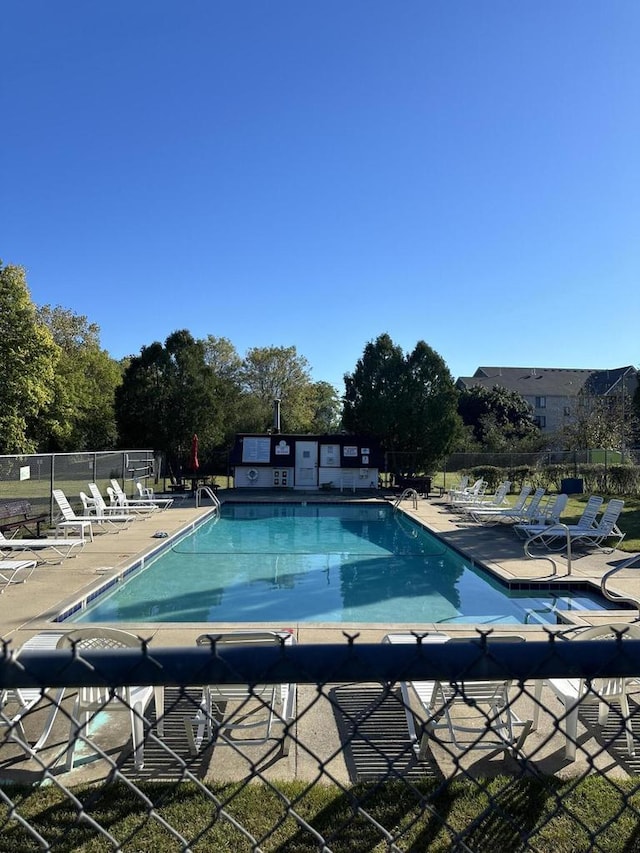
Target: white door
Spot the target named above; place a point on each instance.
(306, 464)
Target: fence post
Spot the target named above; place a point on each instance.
(52, 484)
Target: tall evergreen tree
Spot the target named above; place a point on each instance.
(168, 393)
(408, 402)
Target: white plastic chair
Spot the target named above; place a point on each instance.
(228, 708)
(574, 692)
(90, 701)
(27, 698)
(463, 715)
(147, 495)
(102, 511)
(119, 501)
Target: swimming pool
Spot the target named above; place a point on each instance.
(329, 563)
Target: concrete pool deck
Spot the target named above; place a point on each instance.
(325, 717)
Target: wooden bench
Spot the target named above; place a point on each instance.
(19, 514)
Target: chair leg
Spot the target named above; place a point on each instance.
(571, 724)
(195, 727)
(158, 694)
(76, 729)
(138, 722)
(537, 700)
(56, 701)
(624, 707)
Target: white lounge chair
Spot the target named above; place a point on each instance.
(594, 537)
(470, 493)
(463, 715)
(109, 509)
(102, 512)
(525, 509)
(461, 486)
(71, 519)
(147, 497)
(147, 493)
(494, 501)
(59, 546)
(547, 515)
(118, 500)
(15, 571)
(574, 692)
(228, 708)
(91, 701)
(586, 522)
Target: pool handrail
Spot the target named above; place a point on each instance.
(207, 490)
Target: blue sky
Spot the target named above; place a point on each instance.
(296, 172)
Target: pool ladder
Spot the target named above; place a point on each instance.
(408, 493)
(207, 490)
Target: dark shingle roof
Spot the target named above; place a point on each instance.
(544, 381)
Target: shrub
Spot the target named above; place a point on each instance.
(518, 476)
(490, 473)
(553, 475)
(594, 475)
(624, 479)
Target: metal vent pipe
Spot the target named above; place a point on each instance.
(276, 416)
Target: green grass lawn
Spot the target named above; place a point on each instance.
(500, 815)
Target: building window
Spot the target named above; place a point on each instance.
(567, 411)
(540, 421)
(541, 402)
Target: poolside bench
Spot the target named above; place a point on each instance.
(15, 515)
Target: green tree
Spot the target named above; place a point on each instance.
(168, 393)
(600, 422)
(373, 391)
(277, 373)
(498, 419)
(408, 402)
(28, 359)
(326, 407)
(82, 416)
(226, 367)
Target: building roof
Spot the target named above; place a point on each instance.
(546, 381)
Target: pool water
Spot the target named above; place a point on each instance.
(332, 563)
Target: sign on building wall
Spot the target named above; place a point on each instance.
(256, 449)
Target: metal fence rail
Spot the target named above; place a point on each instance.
(375, 753)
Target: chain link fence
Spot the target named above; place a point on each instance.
(32, 478)
(419, 743)
(609, 471)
